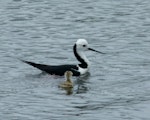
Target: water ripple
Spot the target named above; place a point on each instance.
(117, 86)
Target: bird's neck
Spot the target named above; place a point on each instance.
(68, 78)
(81, 57)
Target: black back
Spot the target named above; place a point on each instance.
(56, 70)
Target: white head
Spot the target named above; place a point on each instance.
(82, 44)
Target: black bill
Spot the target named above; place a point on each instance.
(95, 50)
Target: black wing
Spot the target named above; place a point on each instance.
(55, 70)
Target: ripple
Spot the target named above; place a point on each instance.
(117, 86)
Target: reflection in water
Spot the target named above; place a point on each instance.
(45, 30)
(69, 91)
(81, 86)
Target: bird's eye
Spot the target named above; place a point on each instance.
(84, 45)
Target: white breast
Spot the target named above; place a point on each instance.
(83, 70)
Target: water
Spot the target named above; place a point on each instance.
(118, 86)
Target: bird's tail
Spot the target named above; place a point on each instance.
(36, 65)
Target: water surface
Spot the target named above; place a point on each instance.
(118, 85)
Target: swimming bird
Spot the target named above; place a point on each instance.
(79, 48)
(68, 83)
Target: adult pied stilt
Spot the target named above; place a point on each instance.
(79, 48)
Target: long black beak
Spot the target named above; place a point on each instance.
(95, 50)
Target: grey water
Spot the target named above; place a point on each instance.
(44, 31)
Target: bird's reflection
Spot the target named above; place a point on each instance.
(69, 91)
(81, 83)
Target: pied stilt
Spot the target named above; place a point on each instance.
(79, 48)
